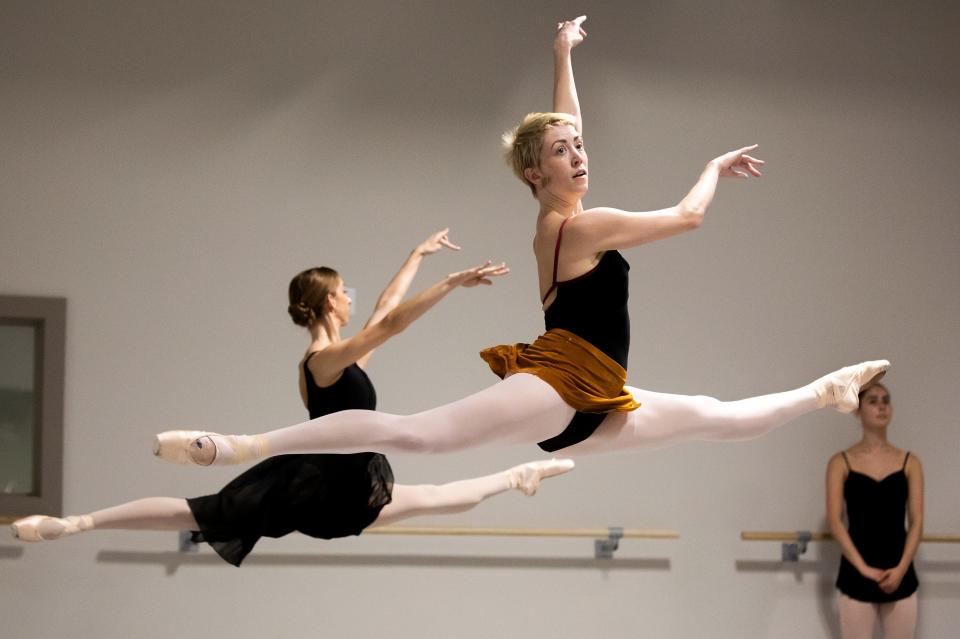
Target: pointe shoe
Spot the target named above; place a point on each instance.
(28, 528)
(178, 446)
(526, 477)
(841, 389)
(174, 445)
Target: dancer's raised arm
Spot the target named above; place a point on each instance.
(328, 363)
(569, 34)
(604, 228)
(399, 284)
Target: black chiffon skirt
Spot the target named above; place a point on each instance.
(324, 496)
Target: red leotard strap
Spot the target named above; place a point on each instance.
(556, 259)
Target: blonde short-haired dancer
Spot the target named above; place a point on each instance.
(566, 390)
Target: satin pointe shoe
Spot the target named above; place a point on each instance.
(527, 477)
(29, 528)
(174, 445)
(840, 389)
(187, 446)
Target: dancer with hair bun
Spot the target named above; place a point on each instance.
(321, 495)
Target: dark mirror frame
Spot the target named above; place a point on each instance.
(49, 316)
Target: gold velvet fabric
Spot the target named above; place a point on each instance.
(584, 377)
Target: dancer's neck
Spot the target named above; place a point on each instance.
(324, 332)
(554, 203)
(874, 440)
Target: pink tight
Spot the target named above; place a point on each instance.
(525, 409)
(858, 619)
(171, 513)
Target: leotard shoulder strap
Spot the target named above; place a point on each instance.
(556, 260)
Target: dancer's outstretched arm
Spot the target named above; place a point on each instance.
(604, 228)
(569, 35)
(400, 283)
(338, 356)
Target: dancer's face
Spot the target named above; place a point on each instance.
(340, 303)
(875, 410)
(563, 162)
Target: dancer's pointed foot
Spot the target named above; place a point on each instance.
(840, 389)
(205, 449)
(526, 477)
(43, 528)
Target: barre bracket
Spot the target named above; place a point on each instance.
(185, 542)
(793, 551)
(604, 548)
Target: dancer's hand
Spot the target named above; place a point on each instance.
(478, 274)
(871, 573)
(569, 34)
(436, 242)
(891, 579)
(738, 164)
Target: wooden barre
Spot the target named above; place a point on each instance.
(595, 533)
(825, 536)
(454, 531)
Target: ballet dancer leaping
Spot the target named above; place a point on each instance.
(324, 496)
(566, 390)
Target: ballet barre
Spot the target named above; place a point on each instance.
(605, 540)
(795, 543)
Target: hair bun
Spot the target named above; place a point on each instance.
(301, 314)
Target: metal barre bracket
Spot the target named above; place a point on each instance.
(792, 551)
(185, 542)
(604, 548)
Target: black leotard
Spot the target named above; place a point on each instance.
(325, 496)
(592, 306)
(876, 512)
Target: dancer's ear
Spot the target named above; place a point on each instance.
(533, 176)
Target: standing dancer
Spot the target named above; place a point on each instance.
(324, 496)
(881, 486)
(566, 390)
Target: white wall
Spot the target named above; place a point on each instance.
(167, 167)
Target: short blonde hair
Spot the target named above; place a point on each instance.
(522, 144)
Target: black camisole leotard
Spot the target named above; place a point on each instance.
(876, 511)
(593, 306)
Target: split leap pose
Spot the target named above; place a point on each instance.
(323, 496)
(566, 390)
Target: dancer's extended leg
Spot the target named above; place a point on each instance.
(460, 496)
(525, 409)
(520, 409)
(151, 513)
(664, 419)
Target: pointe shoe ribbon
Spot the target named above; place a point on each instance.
(527, 477)
(28, 528)
(841, 389)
